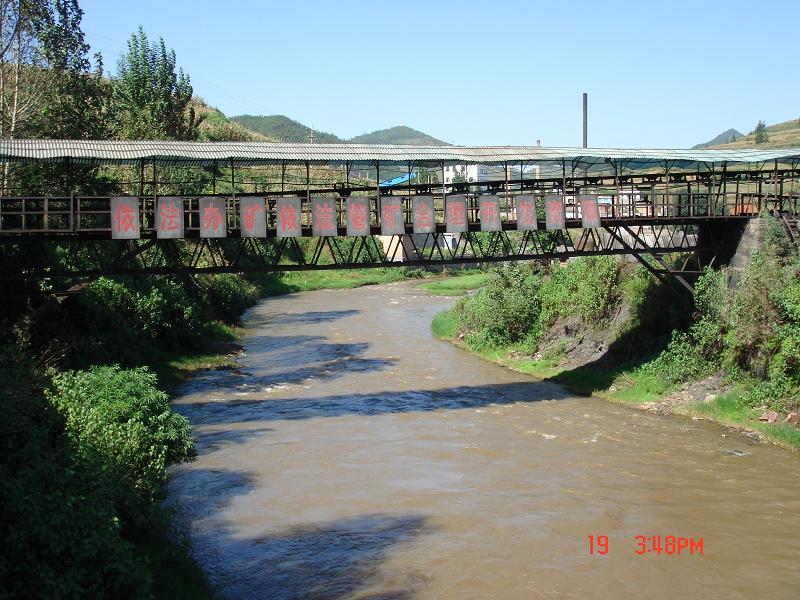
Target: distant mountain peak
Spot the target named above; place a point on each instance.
(399, 134)
(722, 138)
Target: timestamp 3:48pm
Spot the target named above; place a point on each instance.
(668, 545)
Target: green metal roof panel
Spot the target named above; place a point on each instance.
(265, 153)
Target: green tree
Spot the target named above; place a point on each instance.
(22, 74)
(153, 96)
(48, 89)
(761, 133)
(78, 101)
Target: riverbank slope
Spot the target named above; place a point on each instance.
(601, 327)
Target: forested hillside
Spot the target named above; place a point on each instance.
(283, 129)
(216, 127)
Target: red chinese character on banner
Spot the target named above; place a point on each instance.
(323, 216)
(212, 218)
(590, 212)
(125, 218)
(390, 215)
(170, 218)
(554, 210)
(489, 213)
(423, 216)
(287, 218)
(250, 215)
(455, 213)
(526, 212)
(358, 216)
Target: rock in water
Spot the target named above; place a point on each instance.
(738, 453)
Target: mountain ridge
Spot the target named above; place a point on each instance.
(399, 134)
(284, 129)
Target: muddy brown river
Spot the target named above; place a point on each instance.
(355, 456)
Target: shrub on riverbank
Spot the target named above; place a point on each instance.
(227, 296)
(135, 322)
(521, 301)
(121, 422)
(81, 475)
(505, 311)
(61, 535)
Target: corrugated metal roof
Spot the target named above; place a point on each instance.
(265, 153)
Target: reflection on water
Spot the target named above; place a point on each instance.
(354, 456)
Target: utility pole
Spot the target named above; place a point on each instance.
(585, 120)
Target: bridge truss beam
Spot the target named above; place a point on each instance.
(89, 258)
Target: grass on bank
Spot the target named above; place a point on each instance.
(729, 409)
(457, 285)
(304, 281)
(173, 368)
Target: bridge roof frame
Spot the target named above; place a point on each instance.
(244, 154)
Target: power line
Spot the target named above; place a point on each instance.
(231, 96)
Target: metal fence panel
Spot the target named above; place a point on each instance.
(526, 212)
(323, 216)
(456, 214)
(392, 216)
(590, 211)
(169, 218)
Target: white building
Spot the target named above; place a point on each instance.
(477, 173)
(469, 173)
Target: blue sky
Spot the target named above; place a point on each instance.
(658, 74)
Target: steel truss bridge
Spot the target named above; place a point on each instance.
(692, 203)
(82, 228)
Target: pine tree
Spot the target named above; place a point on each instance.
(78, 102)
(152, 95)
(761, 133)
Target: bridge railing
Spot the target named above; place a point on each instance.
(93, 214)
